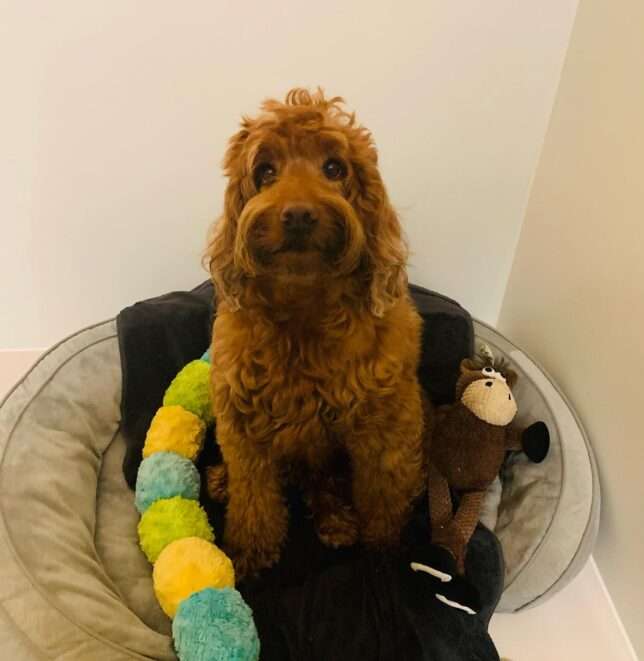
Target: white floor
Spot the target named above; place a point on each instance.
(578, 624)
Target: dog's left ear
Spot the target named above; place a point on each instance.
(386, 257)
(389, 281)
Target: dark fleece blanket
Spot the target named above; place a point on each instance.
(320, 604)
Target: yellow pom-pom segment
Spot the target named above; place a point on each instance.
(168, 520)
(186, 566)
(173, 429)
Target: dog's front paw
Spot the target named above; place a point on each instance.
(254, 535)
(338, 528)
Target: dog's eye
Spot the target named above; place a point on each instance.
(264, 174)
(334, 169)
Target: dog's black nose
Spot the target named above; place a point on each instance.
(298, 219)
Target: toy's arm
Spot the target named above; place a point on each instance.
(533, 440)
(513, 440)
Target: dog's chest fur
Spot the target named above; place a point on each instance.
(298, 391)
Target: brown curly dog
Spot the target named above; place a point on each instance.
(315, 344)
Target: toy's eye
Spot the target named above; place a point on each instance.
(488, 370)
(264, 174)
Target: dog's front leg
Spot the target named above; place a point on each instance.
(386, 448)
(256, 514)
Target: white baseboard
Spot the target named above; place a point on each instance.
(14, 363)
(628, 645)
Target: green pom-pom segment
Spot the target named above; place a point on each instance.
(191, 389)
(170, 519)
(215, 625)
(164, 475)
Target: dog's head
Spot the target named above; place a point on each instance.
(305, 203)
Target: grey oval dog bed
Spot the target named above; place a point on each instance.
(74, 584)
(548, 513)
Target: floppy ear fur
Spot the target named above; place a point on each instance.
(221, 252)
(385, 261)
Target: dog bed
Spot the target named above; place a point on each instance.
(548, 514)
(73, 583)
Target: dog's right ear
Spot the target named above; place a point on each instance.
(220, 253)
(235, 168)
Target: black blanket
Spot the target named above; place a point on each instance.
(319, 604)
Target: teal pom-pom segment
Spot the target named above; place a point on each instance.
(215, 625)
(206, 356)
(191, 389)
(165, 475)
(170, 519)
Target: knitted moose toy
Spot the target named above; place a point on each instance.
(467, 448)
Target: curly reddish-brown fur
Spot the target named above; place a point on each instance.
(316, 343)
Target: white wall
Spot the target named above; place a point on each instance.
(575, 297)
(115, 117)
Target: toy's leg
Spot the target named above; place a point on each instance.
(442, 561)
(436, 559)
(335, 519)
(465, 521)
(386, 450)
(440, 503)
(256, 515)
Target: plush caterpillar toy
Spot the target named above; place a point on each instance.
(468, 446)
(193, 579)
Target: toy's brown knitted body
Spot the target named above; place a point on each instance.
(466, 449)
(468, 446)
(466, 456)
